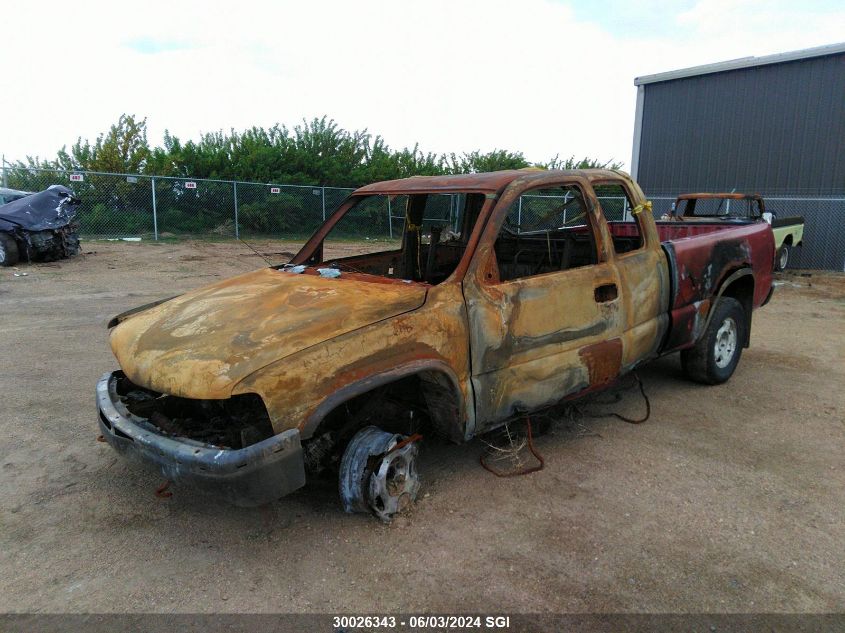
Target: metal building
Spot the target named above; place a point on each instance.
(773, 125)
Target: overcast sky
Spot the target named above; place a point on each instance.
(540, 76)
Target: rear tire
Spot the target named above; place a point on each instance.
(782, 259)
(716, 354)
(9, 254)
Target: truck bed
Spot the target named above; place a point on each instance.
(700, 257)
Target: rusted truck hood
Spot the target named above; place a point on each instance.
(201, 344)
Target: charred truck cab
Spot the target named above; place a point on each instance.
(502, 293)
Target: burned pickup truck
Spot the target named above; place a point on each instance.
(521, 296)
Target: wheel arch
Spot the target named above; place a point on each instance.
(737, 285)
(450, 417)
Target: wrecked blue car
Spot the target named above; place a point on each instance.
(39, 227)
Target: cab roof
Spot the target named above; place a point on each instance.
(488, 182)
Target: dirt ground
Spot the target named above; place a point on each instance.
(729, 499)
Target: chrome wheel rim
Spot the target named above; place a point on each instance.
(376, 476)
(395, 483)
(725, 346)
(784, 258)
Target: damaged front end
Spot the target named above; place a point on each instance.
(225, 447)
(54, 244)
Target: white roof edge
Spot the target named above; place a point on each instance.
(743, 62)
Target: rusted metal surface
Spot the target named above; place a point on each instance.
(539, 339)
(430, 337)
(488, 182)
(203, 343)
(484, 348)
(603, 360)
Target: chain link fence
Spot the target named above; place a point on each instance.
(125, 205)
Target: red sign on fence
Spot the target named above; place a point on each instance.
(76, 178)
(275, 190)
(190, 185)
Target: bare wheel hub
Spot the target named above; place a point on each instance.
(395, 483)
(377, 477)
(725, 346)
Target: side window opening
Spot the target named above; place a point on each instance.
(618, 211)
(415, 237)
(546, 230)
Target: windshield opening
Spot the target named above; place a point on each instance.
(413, 237)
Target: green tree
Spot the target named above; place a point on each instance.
(315, 152)
(123, 149)
(584, 163)
(476, 162)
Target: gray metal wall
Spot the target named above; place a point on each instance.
(773, 129)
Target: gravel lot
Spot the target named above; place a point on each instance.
(729, 499)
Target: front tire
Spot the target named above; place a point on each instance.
(378, 473)
(716, 354)
(782, 259)
(9, 254)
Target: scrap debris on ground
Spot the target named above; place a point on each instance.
(510, 450)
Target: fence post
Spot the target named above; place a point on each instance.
(3, 166)
(389, 217)
(519, 217)
(235, 190)
(324, 204)
(155, 213)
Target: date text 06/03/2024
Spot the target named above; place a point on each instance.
(423, 622)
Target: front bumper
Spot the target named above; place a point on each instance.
(247, 477)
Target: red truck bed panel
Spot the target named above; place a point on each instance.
(701, 256)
